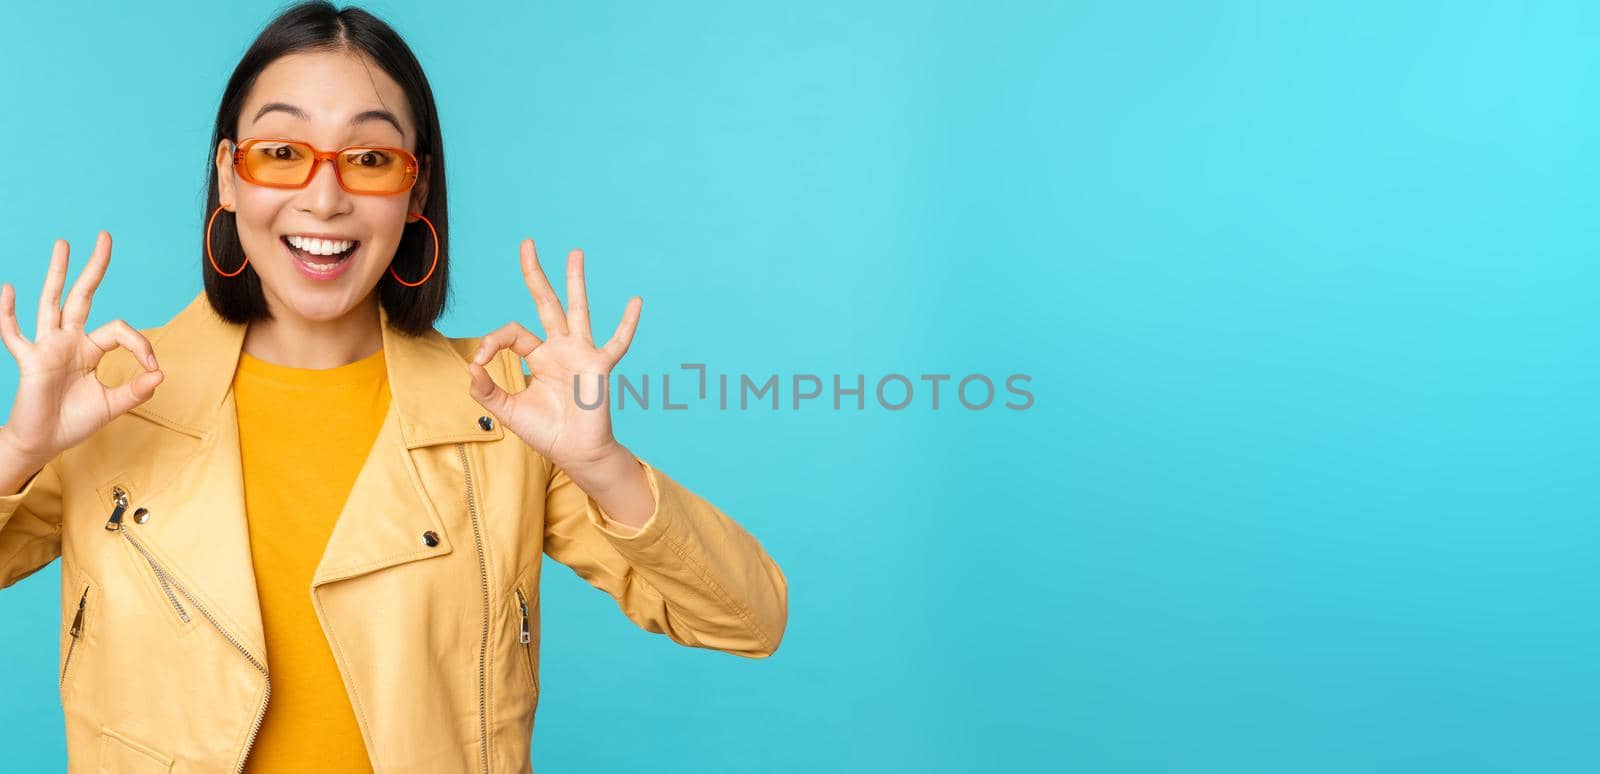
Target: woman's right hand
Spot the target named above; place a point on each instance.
(60, 401)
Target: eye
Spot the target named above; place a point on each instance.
(369, 158)
(279, 152)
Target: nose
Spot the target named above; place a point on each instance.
(323, 197)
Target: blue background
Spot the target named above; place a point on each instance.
(1306, 291)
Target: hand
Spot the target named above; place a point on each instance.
(60, 402)
(546, 415)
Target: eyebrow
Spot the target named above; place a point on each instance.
(366, 115)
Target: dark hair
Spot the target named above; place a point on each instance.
(319, 26)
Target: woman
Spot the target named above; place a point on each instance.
(300, 529)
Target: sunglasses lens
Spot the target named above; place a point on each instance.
(374, 170)
(363, 169)
(277, 163)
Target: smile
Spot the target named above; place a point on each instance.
(320, 259)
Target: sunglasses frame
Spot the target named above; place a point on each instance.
(318, 156)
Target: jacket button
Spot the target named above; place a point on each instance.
(486, 423)
(141, 516)
(430, 538)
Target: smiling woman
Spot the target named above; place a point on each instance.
(304, 530)
(347, 84)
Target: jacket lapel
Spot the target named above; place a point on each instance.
(198, 527)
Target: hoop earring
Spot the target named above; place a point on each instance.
(435, 256)
(212, 258)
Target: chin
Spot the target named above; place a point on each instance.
(321, 304)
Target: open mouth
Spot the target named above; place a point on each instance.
(315, 254)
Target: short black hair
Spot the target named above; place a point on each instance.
(319, 26)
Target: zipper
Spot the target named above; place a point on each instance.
(166, 587)
(119, 498)
(168, 583)
(525, 636)
(483, 643)
(76, 631)
(171, 597)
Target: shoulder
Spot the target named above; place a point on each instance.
(463, 346)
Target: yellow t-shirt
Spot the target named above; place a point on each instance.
(304, 434)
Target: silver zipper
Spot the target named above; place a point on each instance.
(483, 644)
(171, 597)
(116, 524)
(522, 603)
(525, 636)
(76, 631)
(119, 498)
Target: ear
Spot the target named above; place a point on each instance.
(225, 181)
(419, 191)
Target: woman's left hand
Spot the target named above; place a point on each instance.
(547, 415)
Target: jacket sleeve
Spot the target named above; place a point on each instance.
(30, 525)
(689, 572)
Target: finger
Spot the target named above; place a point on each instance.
(118, 332)
(79, 299)
(49, 317)
(10, 331)
(137, 390)
(617, 345)
(513, 335)
(544, 296)
(487, 393)
(577, 297)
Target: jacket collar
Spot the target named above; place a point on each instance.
(198, 352)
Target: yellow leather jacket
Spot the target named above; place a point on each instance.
(163, 662)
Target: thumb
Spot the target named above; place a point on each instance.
(137, 390)
(487, 393)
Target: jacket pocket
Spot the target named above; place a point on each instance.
(146, 565)
(75, 632)
(526, 619)
(122, 755)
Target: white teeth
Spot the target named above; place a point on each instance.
(320, 246)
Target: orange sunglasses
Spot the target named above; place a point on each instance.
(360, 169)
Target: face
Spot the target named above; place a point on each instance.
(330, 89)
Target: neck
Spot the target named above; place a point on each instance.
(289, 339)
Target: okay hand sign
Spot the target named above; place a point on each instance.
(547, 415)
(60, 401)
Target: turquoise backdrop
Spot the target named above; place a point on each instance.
(1305, 291)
